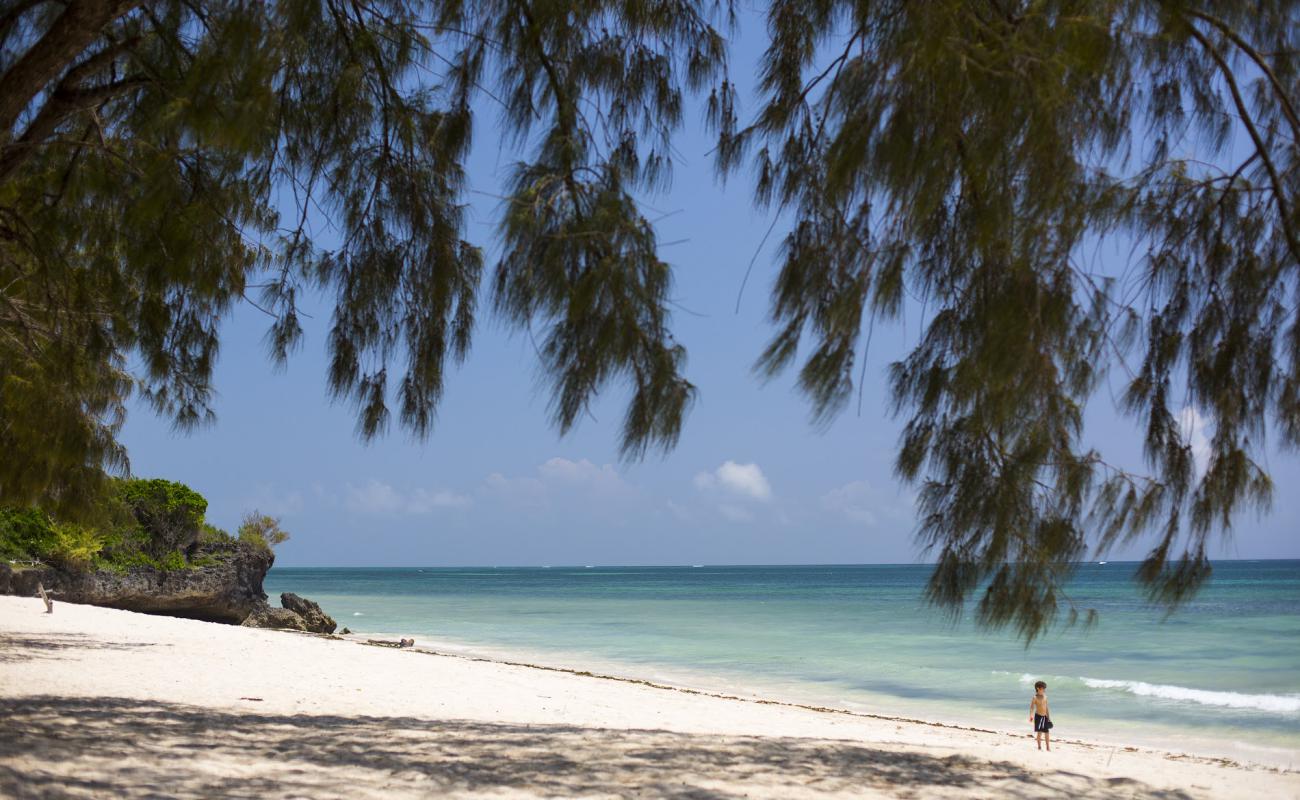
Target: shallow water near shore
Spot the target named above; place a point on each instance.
(1221, 676)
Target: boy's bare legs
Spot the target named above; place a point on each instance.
(1038, 739)
(1047, 737)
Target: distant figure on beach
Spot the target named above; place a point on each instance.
(1040, 717)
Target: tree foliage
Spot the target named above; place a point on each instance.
(169, 515)
(26, 534)
(261, 530)
(139, 523)
(967, 155)
(160, 161)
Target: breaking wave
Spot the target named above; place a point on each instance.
(1278, 703)
(1275, 703)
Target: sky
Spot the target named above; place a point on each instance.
(752, 481)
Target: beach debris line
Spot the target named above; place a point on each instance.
(400, 644)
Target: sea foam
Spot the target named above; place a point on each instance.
(1278, 703)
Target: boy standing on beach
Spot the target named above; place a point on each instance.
(1039, 716)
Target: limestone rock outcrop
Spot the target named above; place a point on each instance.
(21, 581)
(316, 620)
(225, 585)
(227, 588)
(268, 616)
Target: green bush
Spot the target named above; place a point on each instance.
(125, 561)
(261, 530)
(26, 534)
(126, 545)
(169, 513)
(212, 535)
(76, 546)
(144, 523)
(173, 561)
(118, 560)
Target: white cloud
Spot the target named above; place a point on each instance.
(422, 501)
(268, 500)
(529, 489)
(744, 480)
(734, 485)
(374, 497)
(560, 476)
(584, 474)
(1193, 427)
(866, 505)
(377, 497)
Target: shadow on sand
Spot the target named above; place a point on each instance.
(53, 645)
(113, 747)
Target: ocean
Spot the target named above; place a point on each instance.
(1220, 676)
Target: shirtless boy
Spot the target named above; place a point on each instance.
(1039, 716)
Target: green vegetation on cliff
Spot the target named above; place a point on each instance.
(262, 530)
(152, 523)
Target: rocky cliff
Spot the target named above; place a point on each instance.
(313, 617)
(226, 589)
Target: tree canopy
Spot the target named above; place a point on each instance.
(159, 160)
(149, 523)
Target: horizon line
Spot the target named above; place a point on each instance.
(696, 566)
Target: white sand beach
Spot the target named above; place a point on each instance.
(102, 703)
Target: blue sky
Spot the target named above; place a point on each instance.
(751, 481)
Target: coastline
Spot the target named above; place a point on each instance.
(113, 698)
(704, 689)
(858, 637)
(705, 685)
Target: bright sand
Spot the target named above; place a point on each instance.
(102, 703)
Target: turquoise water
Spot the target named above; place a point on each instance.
(1221, 676)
